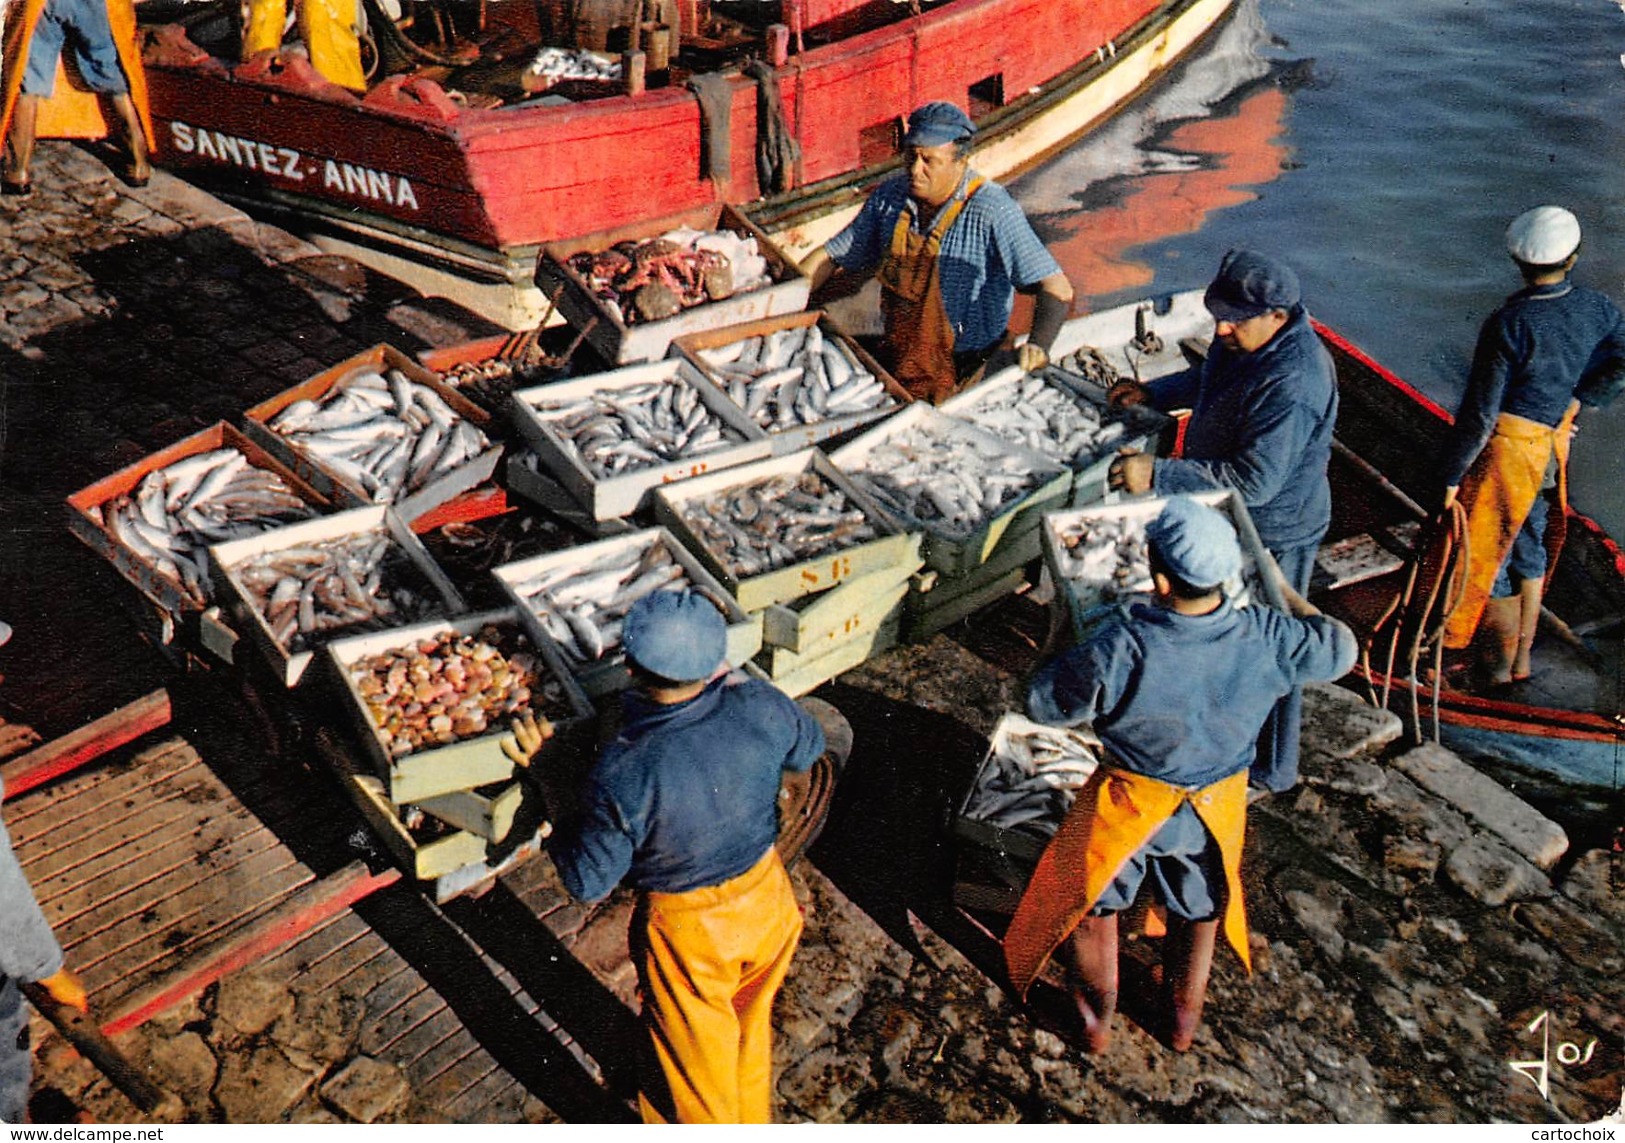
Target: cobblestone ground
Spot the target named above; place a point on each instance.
(1408, 928)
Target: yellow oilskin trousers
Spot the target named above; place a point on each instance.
(710, 962)
(328, 28)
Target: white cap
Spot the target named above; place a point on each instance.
(1544, 236)
(5, 633)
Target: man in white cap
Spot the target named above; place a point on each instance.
(1176, 689)
(682, 806)
(1550, 347)
(951, 249)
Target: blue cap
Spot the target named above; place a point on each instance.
(933, 124)
(1249, 284)
(1195, 542)
(678, 635)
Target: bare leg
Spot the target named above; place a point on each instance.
(1529, 595)
(140, 168)
(1498, 633)
(1188, 959)
(1092, 959)
(23, 121)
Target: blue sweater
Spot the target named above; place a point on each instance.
(687, 795)
(1261, 423)
(1545, 346)
(1181, 698)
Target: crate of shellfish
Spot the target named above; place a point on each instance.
(798, 377)
(967, 490)
(577, 600)
(297, 588)
(487, 369)
(636, 289)
(611, 437)
(1097, 556)
(433, 701)
(784, 528)
(378, 428)
(154, 519)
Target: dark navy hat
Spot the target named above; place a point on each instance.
(933, 124)
(1195, 542)
(1249, 284)
(678, 635)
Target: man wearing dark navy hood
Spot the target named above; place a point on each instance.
(1263, 406)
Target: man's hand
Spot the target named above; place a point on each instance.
(1131, 472)
(1031, 357)
(527, 738)
(67, 989)
(1127, 394)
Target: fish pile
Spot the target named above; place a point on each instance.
(1106, 557)
(946, 476)
(553, 65)
(383, 432)
(616, 430)
(795, 377)
(176, 512)
(754, 528)
(583, 607)
(1031, 777)
(658, 277)
(447, 687)
(364, 581)
(1037, 415)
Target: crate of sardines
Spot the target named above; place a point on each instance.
(298, 588)
(155, 519)
(798, 377)
(379, 428)
(577, 600)
(965, 488)
(780, 529)
(1021, 793)
(611, 437)
(635, 289)
(433, 702)
(1098, 557)
(1066, 421)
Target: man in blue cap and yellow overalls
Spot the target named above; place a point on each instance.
(1177, 689)
(951, 249)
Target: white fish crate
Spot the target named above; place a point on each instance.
(700, 348)
(611, 497)
(343, 489)
(607, 672)
(1015, 804)
(474, 758)
(88, 508)
(795, 675)
(823, 621)
(892, 546)
(415, 564)
(1085, 595)
(649, 340)
(955, 551)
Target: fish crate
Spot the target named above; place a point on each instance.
(497, 378)
(87, 514)
(290, 665)
(819, 622)
(476, 759)
(525, 475)
(342, 489)
(794, 438)
(607, 673)
(865, 618)
(611, 497)
(892, 547)
(488, 811)
(622, 344)
(1083, 600)
(955, 552)
(804, 675)
(936, 600)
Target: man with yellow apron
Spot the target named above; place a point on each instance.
(330, 30)
(951, 249)
(1177, 689)
(1549, 348)
(682, 806)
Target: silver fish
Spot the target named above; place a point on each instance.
(619, 430)
(795, 376)
(766, 524)
(580, 607)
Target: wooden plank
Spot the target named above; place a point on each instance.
(64, 755)
(412, 1019)
(71, 804)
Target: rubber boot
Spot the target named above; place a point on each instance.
(1092, 957)
(1188, 960)
(1529, 599)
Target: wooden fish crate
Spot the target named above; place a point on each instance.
(957, 554)
(648, 341)
(865, 619)
(797, 437)
(609, 673)
(443, 359)
(164, 590)
(611, 497)
(808, 674)
(458, 766)
(290, 665)
(525, 474)
(486, 812)
(936, 600)
(819, 622)
(893, 546)
(380, 359)
(1082, 602)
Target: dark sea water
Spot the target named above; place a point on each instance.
(1380, 147)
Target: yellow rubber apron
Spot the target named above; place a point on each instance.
(328, 28)
(919, 338)
(1115, 814)
(1497, 493)
(72, 111)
